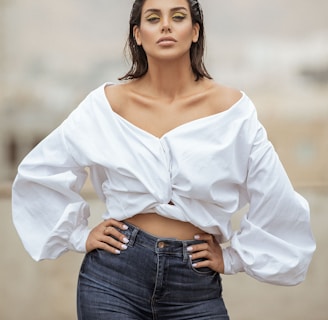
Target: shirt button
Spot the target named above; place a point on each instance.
(161, 244)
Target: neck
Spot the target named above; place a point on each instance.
(169, 79)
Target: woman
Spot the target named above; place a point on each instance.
(174, 155)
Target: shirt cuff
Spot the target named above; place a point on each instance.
(78, 239)
(232, 262)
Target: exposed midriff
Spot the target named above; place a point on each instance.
(163, 227)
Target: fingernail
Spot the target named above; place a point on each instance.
(194, 265)
(117, 251)
(196, 237)
(125, 227)
(124, 247)
(189, 249)
(125, 240)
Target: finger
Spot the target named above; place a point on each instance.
(113, 242)
(107, 236)
(205, 237)
(97, 242)
(105, 243)
(108, 243)
(208, 258)
(203, 254)
(202, 264)
(203, 259)
(108, 248)
(198, 247)
(114, 233)
(118, 224)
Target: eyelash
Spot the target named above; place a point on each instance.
(177, 17)
(153, 19)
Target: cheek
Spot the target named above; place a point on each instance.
(187, 33)
(147, 35)
(186, 37)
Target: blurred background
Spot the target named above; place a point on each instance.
(52, 54)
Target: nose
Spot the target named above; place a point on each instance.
(166, 27)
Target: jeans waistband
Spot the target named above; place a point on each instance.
(169, 246)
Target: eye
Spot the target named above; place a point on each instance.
(153, 18)
(178, 16)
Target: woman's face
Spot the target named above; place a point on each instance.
(166, 30)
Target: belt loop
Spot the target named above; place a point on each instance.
(133, 235)
(185, 252)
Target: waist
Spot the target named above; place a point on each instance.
(162, 245)
(163, 227)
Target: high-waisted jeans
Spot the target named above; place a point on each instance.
(153, 279)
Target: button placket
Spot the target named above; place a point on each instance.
(168, 162)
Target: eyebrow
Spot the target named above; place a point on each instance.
(158, 10)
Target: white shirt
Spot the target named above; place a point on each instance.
(208, 168)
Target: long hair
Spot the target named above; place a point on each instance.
(139, 66)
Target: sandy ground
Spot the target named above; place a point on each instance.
(46, 290)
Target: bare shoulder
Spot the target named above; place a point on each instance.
(223, 97)
(116, 94)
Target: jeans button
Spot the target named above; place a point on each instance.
(161, 244)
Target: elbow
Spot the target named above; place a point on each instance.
(282, 272)
(39, 253)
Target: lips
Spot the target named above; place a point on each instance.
(166, 40)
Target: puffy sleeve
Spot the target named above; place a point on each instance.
(48, 211)
(275, 243)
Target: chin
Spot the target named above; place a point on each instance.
(170, 55)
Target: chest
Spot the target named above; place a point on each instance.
(159, 119)
(159, 116)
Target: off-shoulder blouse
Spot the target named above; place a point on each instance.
(208, 168)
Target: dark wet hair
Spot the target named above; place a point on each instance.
(138, 56)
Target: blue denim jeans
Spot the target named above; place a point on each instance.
(153, 279)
